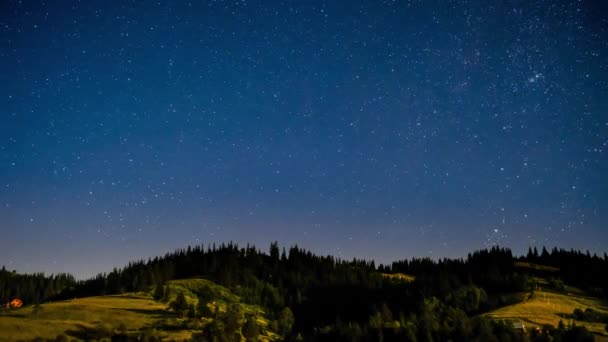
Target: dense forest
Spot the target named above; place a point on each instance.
(33, 288)
(323, 298)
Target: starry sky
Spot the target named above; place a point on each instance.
(369, 129)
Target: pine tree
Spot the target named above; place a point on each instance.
(251, 329)
(285, 322)
(274, 250)
(233, 319)
(180, 305)
(203, 307)
(167, 296)
(545, 254)
(159, 292)
(191, 311)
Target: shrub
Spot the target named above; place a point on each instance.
(202, 309)
(191, 311)
(251, 329)
(159, 293)
(62, 338)
(233, 318)
(285, 321)
(557, 284)
(180, 305)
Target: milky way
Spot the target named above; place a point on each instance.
(367, 129)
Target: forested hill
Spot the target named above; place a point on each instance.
(332, 298)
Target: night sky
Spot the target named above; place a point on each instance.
(368, 129)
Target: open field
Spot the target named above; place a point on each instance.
(73, 316)
(536, 267)
(135, 312)
(400, 276)
(550, 307)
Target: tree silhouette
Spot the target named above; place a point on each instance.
(180, 305)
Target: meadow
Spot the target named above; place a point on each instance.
(82, 318)
(548, 307)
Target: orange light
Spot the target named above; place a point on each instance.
(16, 303)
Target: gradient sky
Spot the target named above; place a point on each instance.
(372, 129)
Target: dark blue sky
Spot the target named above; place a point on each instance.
(371, 129)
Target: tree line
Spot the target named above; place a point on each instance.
(32, 288)
(335, 299)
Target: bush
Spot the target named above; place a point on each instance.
(590, 315)
(203, 309)
(469, 298)
(285, 322)
(180, 305)
(120, 338)
(191, 311)
(198, 337)
(557, 284)
(167, 296)
(214, 331)
(100, 332)
(62, 338)
(159, 293)
(251, 329)
(149, 335)
(578, 333)
(233, 319)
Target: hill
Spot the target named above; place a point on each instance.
(226, 293)
(76, 317)
(133, 314)
(549, 307)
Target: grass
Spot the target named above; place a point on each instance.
(72, 316)
(536, 267)
(191, 287)
(400, 276)
(136, 312)
(551, 307)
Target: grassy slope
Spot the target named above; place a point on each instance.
(536, 267)
(550, 307)
(135, 311)
(400, 276)
(223, 297)
(73, 315)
